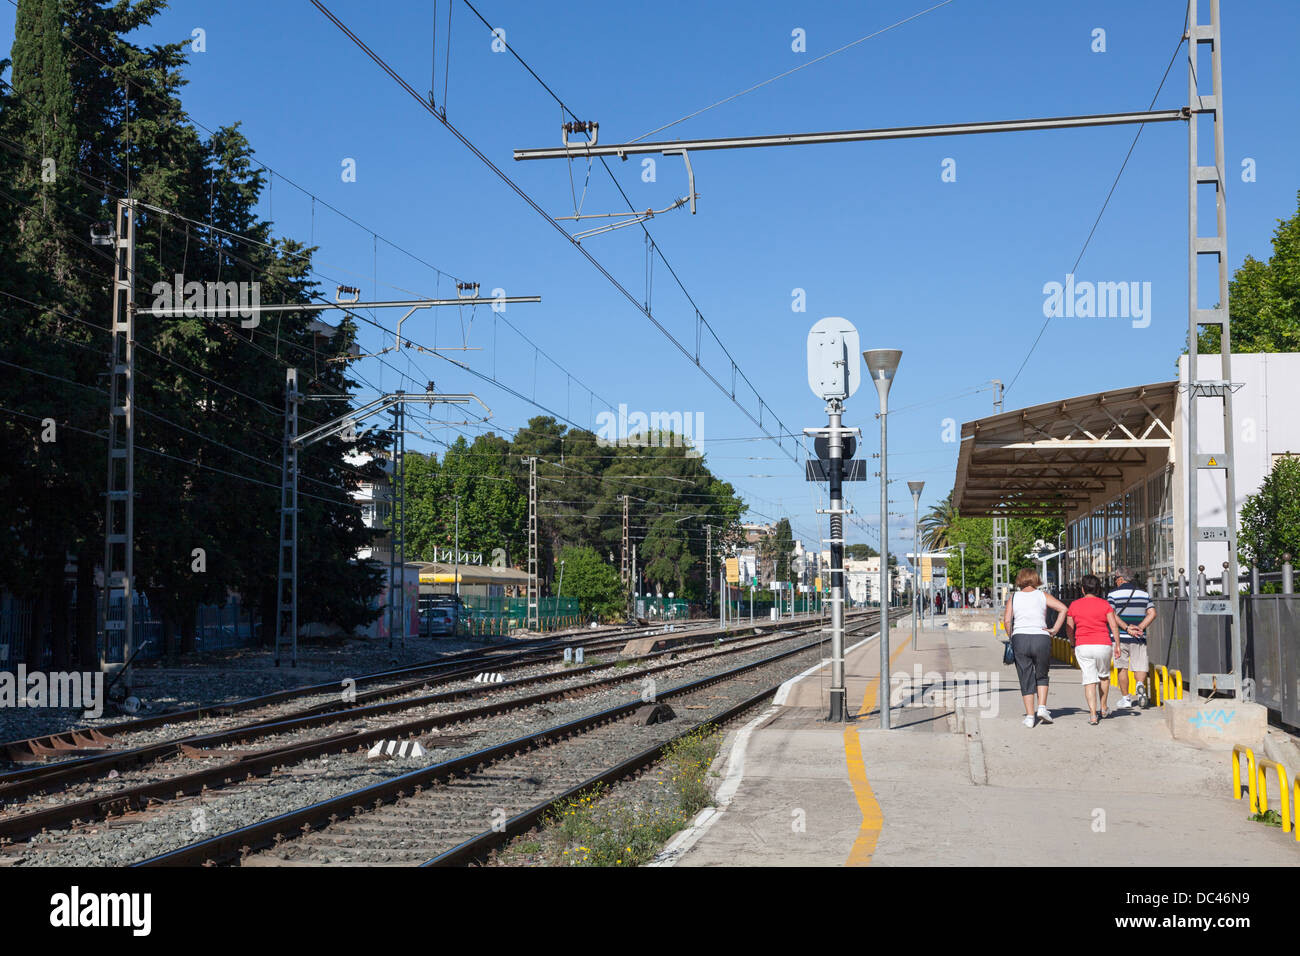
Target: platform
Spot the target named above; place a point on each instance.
(960, 780)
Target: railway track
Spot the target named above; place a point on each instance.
(458, 809)
(330, 708)
(166, 775)
(92, 741)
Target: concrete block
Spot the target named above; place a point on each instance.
(1217, 724)
(971, 619)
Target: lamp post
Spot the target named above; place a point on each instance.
(962, 546)
(882, 364)
(560, 590)
(915, 488)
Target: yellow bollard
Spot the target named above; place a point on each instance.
(1282, 781)
(1295, 801)
(1177, 677)
(1237, 752)
(1161, 677)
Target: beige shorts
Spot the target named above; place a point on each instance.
(1094, 662)
(1132, 656)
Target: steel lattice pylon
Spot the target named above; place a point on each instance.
(119, 503)
(533, 616)
(1220, 388)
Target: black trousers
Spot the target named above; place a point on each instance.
(1033, 660)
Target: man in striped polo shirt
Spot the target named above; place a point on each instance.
(1135, 610)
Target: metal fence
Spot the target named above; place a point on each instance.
(217, 627)
(663, 609)
(498, 616)
(1270, 653)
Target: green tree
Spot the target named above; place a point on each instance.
(860, 552)
(936, 525)
(782, 549)
(978, 535)
(666, 555)
(1264, 298)
(594, 582)
(1270, 518)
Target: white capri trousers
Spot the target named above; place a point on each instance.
(1094, 662)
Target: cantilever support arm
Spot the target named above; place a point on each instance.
(857, 135)
(342, 423)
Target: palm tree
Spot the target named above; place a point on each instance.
(936, 525)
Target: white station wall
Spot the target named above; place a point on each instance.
(1266, 413)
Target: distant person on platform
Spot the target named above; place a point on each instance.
(1135, 610)
(954, 599)
(1025, 619)
(1094, 628)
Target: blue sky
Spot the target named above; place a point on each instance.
(952, 273)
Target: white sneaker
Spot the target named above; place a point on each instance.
(1029, 721)
(1045, 715)
(1124, 701)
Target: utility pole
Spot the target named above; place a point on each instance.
(286, 625)
(1228, 603)
(626, 573)
(397, 526)
(286, 634)
(916, 487)
(533, 617)
(708, 561)
(119, 501)
(1001, 559)
(883, 363)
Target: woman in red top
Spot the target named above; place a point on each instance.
(1094, 629)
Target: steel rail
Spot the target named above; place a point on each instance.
(243, 840)
(476, 848)
(75, 741)
(24, 825)
(37, 779)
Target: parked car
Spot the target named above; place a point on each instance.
(439, 622)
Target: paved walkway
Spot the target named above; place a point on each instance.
(960, 780)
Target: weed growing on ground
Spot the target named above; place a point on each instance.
(1269, 818)
(594, 829)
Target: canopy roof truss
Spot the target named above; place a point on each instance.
(1054, 459)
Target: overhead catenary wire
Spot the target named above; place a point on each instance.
(1105, 203)
(536, 207)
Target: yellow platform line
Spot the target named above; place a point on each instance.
(872, 818)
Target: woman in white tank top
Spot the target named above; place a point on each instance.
(1025, 618)
(1029, 608)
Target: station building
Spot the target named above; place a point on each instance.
(1113, 465)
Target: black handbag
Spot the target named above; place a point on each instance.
(1009, 655)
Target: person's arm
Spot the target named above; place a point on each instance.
(1141, 629)
(1007, 615)
(1113, 623)
(1060, 610)
(1069, 626)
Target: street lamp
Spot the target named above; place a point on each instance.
(882, 364)
(560, 590)
(915, 488)
(962, 546)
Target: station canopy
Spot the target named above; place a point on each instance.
(439, 572)
(1051, 460)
